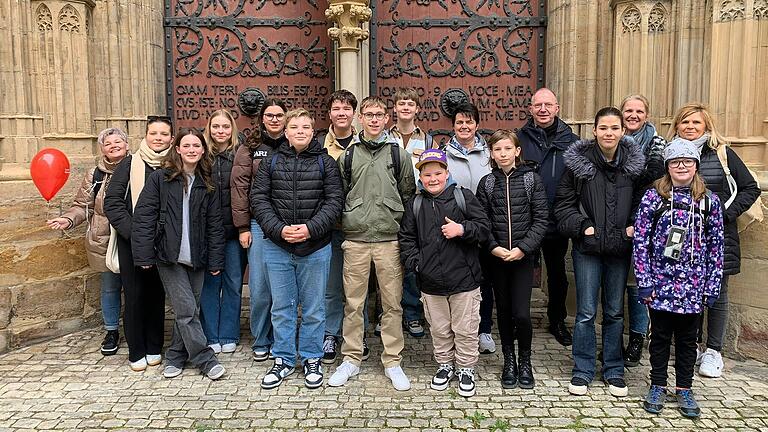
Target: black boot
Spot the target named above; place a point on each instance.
(634, 349)
(509, 372)
(525, 371)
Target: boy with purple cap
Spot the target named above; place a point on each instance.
(439, 237)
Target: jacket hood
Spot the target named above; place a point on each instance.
(580, 158)
(484, 146)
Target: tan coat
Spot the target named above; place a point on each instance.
(86, 208)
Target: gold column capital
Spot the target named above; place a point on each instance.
(347, 18)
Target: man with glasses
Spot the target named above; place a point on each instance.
(544, 139)
(378, 180)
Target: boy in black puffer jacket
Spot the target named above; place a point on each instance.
(439, 237)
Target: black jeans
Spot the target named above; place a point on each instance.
(684, 328)
(512, 287)
(553, 250)
(717, 319)
(486, 292)
(144, 315)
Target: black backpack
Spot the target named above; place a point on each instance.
(394, 151)
(98, 180)
(528, 181)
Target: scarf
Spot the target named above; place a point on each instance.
(138, 173)
(644, 135)
(382, 139)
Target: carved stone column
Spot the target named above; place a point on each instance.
(642, 54)
(348, 18)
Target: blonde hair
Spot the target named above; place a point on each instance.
(501, 135)
(234, 140)
(638, 97)
(407, 93)
(296, 113)
(664, 186)
(373, 101)
(715, 139)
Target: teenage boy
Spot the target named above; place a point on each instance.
(378, 180)
(412, 138)
(341, 111)
(440, 236)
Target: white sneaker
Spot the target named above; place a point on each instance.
(154, 359)
(487, 345)
(215, 347)
(699, 354)
(711, 364)
(139, 365)
(343, 373)
(399, 380)
(228, 347)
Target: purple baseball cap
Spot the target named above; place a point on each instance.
(432, 155)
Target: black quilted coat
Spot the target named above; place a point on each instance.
(295, 188)
(603, 195)
(714, 177)
(516, 221)
(221, 173)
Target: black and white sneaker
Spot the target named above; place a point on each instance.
(366, 351)
(276, 374)
(466, 382)
(442, 377)
(110, 343)
(313, 373)
(329, 349)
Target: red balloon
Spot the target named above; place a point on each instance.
(50, 171)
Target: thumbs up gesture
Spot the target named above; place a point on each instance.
(452, 229)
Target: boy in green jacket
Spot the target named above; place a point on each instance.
(378, 179)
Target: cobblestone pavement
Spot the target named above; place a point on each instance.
(66, 384)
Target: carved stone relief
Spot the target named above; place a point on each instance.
(44, 18)
(69, 19)
(630, 20)
(731, 10)
(760, 10)
(657, 19)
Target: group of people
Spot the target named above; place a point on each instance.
(439, 231)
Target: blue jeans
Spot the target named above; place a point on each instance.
(221, 298)
(295, 280)
(110, 299)
(638, 312)
(599, 277)
(411, 303)
(334, 290)
(258, 285)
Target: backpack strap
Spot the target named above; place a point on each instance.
(528, 182)
(458, 195)
(272, 164)
(429, 141)
(395, 153)
(348, 162)
(98, 180)
(417, 201)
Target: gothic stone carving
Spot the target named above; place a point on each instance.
(657, 19)
(69, 19)
(44, 18)
(731, 10)
(630, 20)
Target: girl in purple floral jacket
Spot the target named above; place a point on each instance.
(678, 255)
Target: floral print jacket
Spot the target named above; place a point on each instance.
(684, 285)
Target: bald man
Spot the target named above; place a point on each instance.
(544, 139)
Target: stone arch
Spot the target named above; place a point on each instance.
(44, 18)
(760, 9)
(731, 10)
(630, 20)
(657, 19)
(69, 19)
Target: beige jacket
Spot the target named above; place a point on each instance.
(87, 208)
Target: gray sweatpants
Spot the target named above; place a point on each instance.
(188, 343)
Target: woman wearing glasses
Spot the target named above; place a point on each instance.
(144, 313)
(261, 143)
(694, 122)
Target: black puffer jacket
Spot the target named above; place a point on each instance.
(221, 174)
(747, 192)
(548, 156)
(118, 204)
(516, 221)
(599, 194)
(294, 189)
(443, 266)
(156, 233)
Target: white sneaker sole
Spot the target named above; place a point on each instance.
(577, 390)
(439, 387)
(466, 393)
(618, 391)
